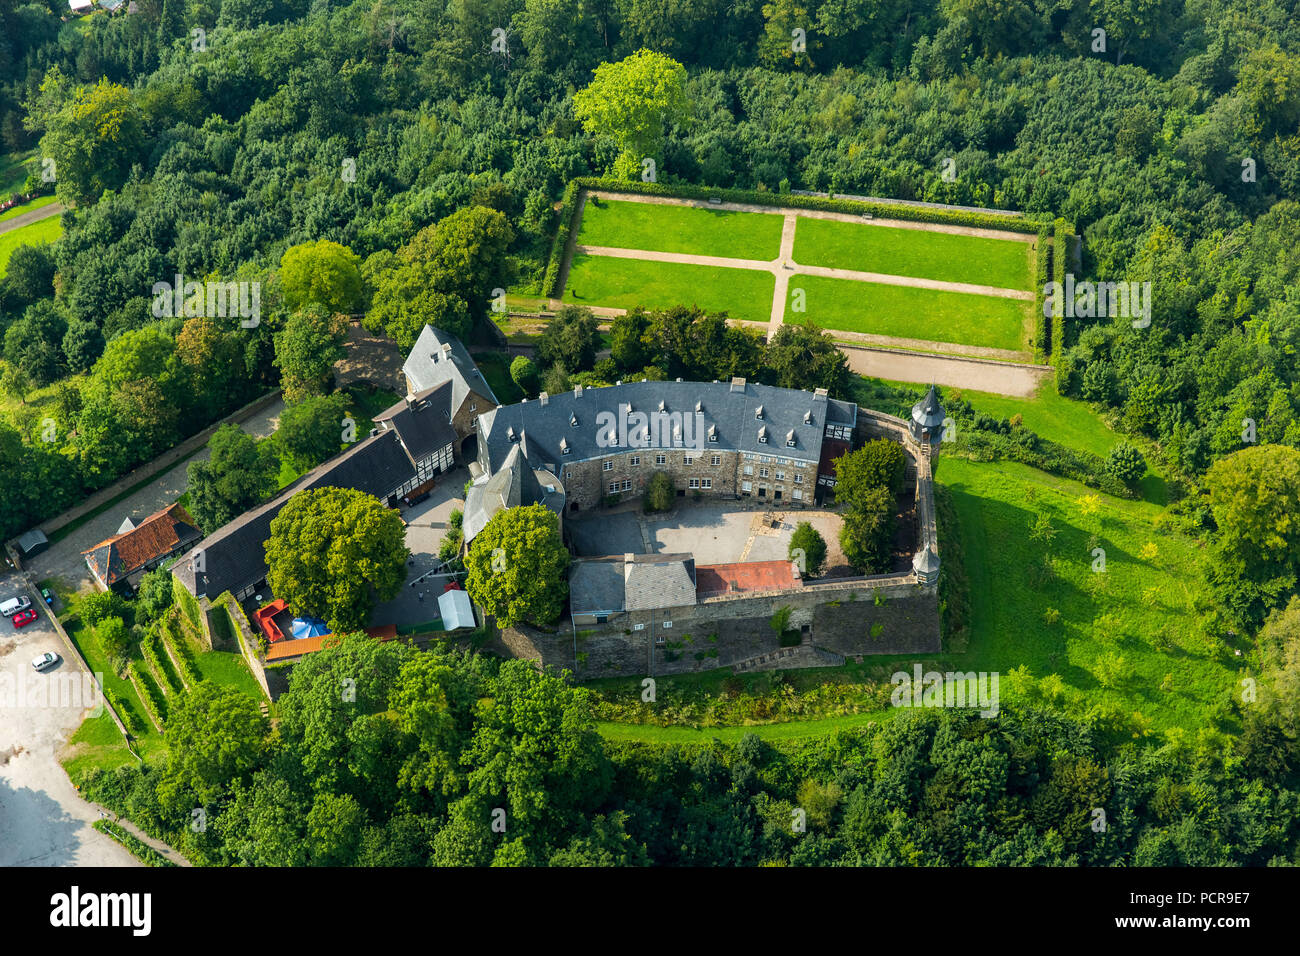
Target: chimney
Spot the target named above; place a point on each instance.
(577, 391)
(544, 399)
(737, 384)
(820, 395)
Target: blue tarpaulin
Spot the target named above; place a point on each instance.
(308, 627)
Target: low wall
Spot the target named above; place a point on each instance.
(163, 462)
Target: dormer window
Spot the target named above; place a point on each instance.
(758, 413)
(511, 435)
(699, 408)
(789, 438)
(663, 406)
(713, 433)
(565, 448)
(762, 434)
(677, 434)
(807, 417)
(573, 421)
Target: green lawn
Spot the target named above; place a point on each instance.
(38, 203)
(1004, 263)
(685, 229)
(1066, 422)
(906, 312)
(1128, 637)
(46, 230)
(230, 669)
(627, 283)
(14, 169)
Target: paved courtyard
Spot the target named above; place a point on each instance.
(426, 526)
(715, 531)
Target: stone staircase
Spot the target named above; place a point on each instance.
(789, 658)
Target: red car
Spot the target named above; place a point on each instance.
(23, 618)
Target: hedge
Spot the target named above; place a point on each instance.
(187, 602)
(1060, 252)
(180, 653)
(568, 213)
(1044, 344)
(149, 693)
(129, 717)
(858, 207)
(166, 680)
(139, 849)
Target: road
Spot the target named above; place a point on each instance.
(27, 218)
(63, 558)
(43, 821)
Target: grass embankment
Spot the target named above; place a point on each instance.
(32, 234)
(683, 229)
(864, 247)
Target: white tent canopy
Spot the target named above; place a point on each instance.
(456, 610)
(80, 4)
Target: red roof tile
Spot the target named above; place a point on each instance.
(155, 537)
(712, 580)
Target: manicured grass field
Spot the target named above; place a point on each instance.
(905, 312)
(1004, 263)
(627, 283)
(46, 230)
(1128, 637)
(685, 229)
(38, 203)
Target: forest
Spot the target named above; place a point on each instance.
(425, 148)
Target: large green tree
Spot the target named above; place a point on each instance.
(634, 101)
(322, 272)
(311, 430)
(333, 552)
(306, 350)
(216, 735)
(240, 473)
(516, 567)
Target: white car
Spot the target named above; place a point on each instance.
(14, 605)
(48, 659)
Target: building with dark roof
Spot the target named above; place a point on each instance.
(136, 549)
(732, 439)
(438, 358)
(631, 589)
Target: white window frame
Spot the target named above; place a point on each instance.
(607, 465)
(661, 459)
(717, 459)
(635, 460)
(706, 483)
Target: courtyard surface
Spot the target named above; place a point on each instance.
(714, 531)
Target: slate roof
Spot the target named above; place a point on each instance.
(157, 536)
(423, 425)
(235, 556)
(575, 419)
(514, 484)
(638, 582)
(430, 364)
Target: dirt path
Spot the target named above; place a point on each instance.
(27, 218)
(1003, 378)
(910, 345)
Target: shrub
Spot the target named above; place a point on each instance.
(101, 605)
(524, 374)
(184, 661)
(114, 638)
(811, 545)
(659, 492)
(1126, 463)
(149, 693)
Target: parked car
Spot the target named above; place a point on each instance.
(23, 618)
(48, 659)
(14, 605)
(49, 597)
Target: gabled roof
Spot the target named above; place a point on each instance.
(514, 484)
(632, 582)
(438, 357)
(728, 411)
(157, 536)
(422, 422)
(234, 556)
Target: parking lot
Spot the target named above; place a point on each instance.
(43, 822)
(714, 531)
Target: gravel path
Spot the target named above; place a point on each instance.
(1003, 378)
(27, 218)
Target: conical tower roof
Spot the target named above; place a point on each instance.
(928, 413)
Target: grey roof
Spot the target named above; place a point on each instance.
(234, 556)
(33, 542)
(728, 410)
(596, 586)
(515, 483)
(928, 413)
(438, 357)
(652, 581)
(637, 582)
(422, 423)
